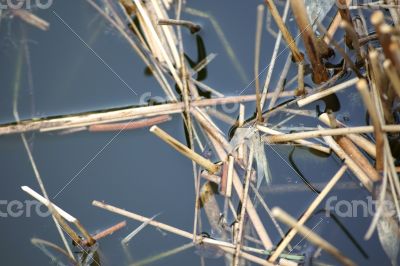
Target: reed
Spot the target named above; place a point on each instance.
(207, 164)
(320, 74)
(312, 237)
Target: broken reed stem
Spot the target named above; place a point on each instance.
(90, 241)
(393, 76)
(109, 231)
(228, 247)
(324, 132)
(361, 141)
(243, 198)
(193, 27)
(311, 236)
(358, 172)
(251, 210)
(319, 95)
(362, 87)
(354, 153)
(307, 214)
(275, 55)
(122, 114)
(300, 75)
(300, 141)
(59, 222)
(130, 125)
(260, 16)
(320, 73)
(210, 127)
(205, 163)
(31, 18)
(297, 55)
(242, 147)
(58, 214)
(231, 162)
(346, 23)
(352, 37)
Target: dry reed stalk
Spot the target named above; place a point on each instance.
(212, 178)
(113, 19)
(346, 20)
(168, 32)
(358, 172)
(301, 90)
(379, 78)
(242, 147)
(224, 179)
(327, 92)
(193, 27)
(228, 247)
(276, 133)
(241, 217)
(123, 114)
(147, 25)
(334, 25)
(109, 231)
(276, 138)
(352, 37)
(393, 75)
(231, 162)
(207, 164)
(297, 55)
(131, 125)
(311, 236)
(210, 127)
(394, 49)
(251, 210)
(57, 212)
(384, 34)
(275, 55)
(361, 141)
(222, 117)
(281, 82)
(320, 74)
(362, 87)
(31, 19)
(352, 151)
(307, 214)
(260, 16)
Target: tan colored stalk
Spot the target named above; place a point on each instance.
(130, 125)
(326, 92)
(260, 17)
(324, 132)
(312, 237)
(297, 55)
(320, 74)
(307, 214)
(362, 87)
(393, 76)
(207, 164)
(347, 21)
(278, 134)
(358, 172)
(228, 247)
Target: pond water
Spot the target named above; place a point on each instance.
(135, 170)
